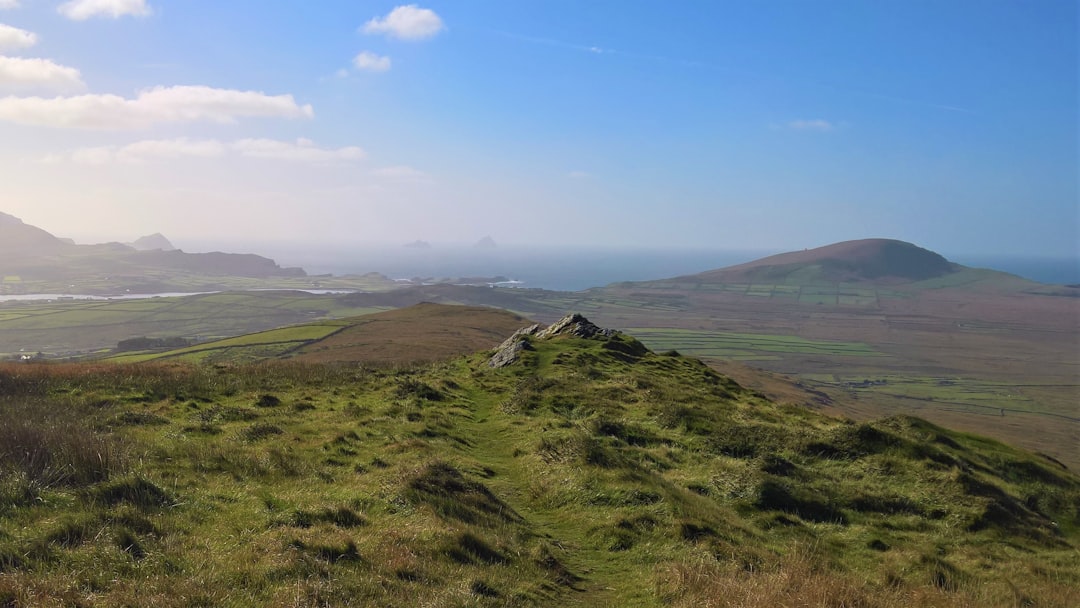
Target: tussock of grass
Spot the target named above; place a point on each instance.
(47, 445)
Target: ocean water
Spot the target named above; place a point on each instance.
(1063, 271)
(562, 269)
(578, 268)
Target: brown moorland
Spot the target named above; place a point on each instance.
(425, 332)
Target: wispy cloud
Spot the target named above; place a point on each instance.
(81, 10)
(816, 124)
(13, 38)
(8, 4)
(303, 150)
(19, 74)
(408, 22)
(585, 48)
(149, 107)
(400, 172)
(370, 62)
(300, 151)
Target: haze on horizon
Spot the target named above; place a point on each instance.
(772, 125)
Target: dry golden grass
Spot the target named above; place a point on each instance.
(800, 580)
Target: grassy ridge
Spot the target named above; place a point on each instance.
(590, 472)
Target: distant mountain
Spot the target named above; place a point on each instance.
(44, 263)
(486, 243)
(18, 239)
(418, 245)
(878, 260)
(152, 242)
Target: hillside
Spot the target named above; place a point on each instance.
(18, 239)
(880, 261)
(582, 469)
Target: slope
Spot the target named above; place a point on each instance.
(583, 470)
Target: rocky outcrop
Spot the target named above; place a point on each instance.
(511, 348)
(573, 325)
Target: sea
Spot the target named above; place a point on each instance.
(580, 268)
(553, 268)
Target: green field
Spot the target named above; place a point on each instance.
(246, 348)
(743, 346)
(958, 393)
(69, 328)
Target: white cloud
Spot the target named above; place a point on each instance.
(93, 156)
(80, 10)
(14, 38)
(811, 125)
(302, 150)
(149, 107)
(154, 149)
(407, 22)
(7, 4)
(371, 62)
(18, 74)
(401, 172)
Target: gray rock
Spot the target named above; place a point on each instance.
(509, 351)
(573, 324)
(576, 325)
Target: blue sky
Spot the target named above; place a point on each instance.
(742, 125)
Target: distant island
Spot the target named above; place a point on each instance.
(152, 242)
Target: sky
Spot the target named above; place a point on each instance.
(766, 125)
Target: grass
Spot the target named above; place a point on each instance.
(590, 472)
(979, 396)
(77, 327)
(274, 342)
(733, 345)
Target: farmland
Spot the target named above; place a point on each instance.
(73, 327)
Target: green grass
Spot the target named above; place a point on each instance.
(980, 396)
(246, 348)
(732, 345)
(74, 327)
(590, 472)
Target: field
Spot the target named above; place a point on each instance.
(425, 332)
(69, 328)
(588, 472)
(744, 347)
(247, 348)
